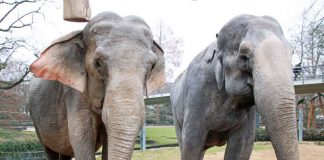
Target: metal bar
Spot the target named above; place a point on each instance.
(322, 73)
(257, 119)
(302, 74)
(143, 137)
(300, 124)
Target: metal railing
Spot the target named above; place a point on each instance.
(308, 74)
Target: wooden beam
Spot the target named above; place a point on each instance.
(321, 103)
(311, 115)
(157, 100)
(309, 88)
(76, 10)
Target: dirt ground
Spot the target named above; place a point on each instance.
(307, 151)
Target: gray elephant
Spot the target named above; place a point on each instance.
(214, 101)
(95, 81)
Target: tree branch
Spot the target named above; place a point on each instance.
(12, 3)
(16, 4)
(12, 25)
(9, 85)
(12, 45)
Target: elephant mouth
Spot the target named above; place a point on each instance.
(248, 91)
(97, 110)
(243, 91)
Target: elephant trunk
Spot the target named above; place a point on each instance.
(123, 113)
(275, 97)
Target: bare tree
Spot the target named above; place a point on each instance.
(172, 46)
(308, 41)
(16, 16)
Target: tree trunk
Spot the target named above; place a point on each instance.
(321, 103)
(310, 114)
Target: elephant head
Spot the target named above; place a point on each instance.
(113, 61)
(253, 63)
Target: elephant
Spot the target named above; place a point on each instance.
(91, 86)
(214, 101)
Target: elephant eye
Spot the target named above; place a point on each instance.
(243, 62)
(99, 65)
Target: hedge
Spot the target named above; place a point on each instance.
(20, 146)
(308, 135)
(13, 141)
(18, 141)
(313, 135)
(261, 135)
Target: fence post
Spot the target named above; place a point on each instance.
(322, 69)
(257, 119)
(143, 137)
(302, 73)
(300, 124)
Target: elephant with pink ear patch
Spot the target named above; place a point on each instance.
(91, 86)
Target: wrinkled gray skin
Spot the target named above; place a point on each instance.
(214, 101)
(93, 95)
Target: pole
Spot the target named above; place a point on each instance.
(300, 124)
(143, 137)
(257, 119)
(302, 73)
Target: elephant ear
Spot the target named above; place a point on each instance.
(212, 53)
(219, 71)
(157, 77)
(63, 61)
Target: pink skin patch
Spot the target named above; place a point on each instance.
(43, 68)
(46, 68)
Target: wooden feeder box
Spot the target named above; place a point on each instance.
(76, 10)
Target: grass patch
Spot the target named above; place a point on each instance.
(156, 136)
(13, 135)
(157, 154)
(18, 141)
(321, 143)
(173, 153)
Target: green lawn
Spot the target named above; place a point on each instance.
(155, 136)
(18, 141)
(159, 136)
(166, 135)
(173, 153)
(13, 135)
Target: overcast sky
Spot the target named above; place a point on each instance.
(196, 22)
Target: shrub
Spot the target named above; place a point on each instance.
(261, 135)
(313, 135)
(308, 135)
(20, 146)
(151, 121)
(18, 141)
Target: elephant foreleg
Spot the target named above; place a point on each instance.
(82, 136)
(50, 154)
(240, 143)
(64, 157)
(82, 128)
(193, 138)
(178, 133)
(104, 146)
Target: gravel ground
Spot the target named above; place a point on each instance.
(307, 151)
